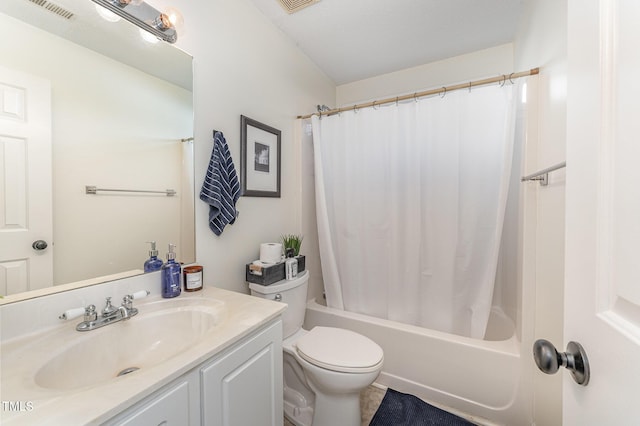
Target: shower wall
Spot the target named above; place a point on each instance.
(459, 69)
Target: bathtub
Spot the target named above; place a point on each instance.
(479, 378)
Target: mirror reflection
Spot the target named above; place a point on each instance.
(86, 102)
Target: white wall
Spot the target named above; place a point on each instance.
(113, 127)
(243, 65)
(473, 66)
(542, 42)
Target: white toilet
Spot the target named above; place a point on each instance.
(325, 368)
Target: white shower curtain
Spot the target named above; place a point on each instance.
(410, 204)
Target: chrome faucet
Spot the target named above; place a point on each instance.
(110, 314)
(109, 310)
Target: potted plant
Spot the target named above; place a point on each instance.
(292, 241)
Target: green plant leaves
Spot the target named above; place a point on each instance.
(292, 241)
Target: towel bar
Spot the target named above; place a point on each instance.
(542, 176)
(93, 190)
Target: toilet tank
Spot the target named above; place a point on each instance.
(293, 293)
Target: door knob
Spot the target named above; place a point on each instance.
(549, 360)
(39, 245)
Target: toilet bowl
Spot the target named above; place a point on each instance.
(325, 368)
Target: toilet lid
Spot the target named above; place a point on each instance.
(340, 350)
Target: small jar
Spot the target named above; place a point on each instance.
(192, 278)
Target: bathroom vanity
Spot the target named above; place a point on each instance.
(217, 391)
(200, 358)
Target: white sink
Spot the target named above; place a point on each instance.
(60, 371)
(160, 331)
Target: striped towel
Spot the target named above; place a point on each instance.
(220, 189)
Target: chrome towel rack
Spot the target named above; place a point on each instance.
(93, 190)
(542, 176)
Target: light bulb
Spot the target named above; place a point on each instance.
(162, 22)
(176, 19)
(124, 3)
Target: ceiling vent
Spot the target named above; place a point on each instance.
(292, 6)
(53, 8)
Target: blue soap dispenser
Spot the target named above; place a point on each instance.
(153, 263)
(171, 273)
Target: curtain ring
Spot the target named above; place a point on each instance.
(415, 97)
(374, 105)
(469, 87)
(355, 110)
(444, 92)
(510, 78)
(396, 100)
(504, 80)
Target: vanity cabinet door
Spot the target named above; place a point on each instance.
(243, 386)
(169, 408)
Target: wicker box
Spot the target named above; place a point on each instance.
(266, 275)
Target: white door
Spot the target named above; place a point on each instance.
(602, 269)
(25, 182)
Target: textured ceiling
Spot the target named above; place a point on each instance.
(355, 39)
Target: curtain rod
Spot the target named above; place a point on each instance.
(441, 91)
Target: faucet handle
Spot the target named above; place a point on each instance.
(140, 294)
(127, 301)
(71, 313)
(89, 313)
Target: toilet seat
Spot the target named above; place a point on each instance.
(340, 350)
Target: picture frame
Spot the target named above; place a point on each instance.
(259, 159)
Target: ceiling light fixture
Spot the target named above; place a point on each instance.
(144, 16)
(106, 14)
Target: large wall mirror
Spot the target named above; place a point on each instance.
(88, 102)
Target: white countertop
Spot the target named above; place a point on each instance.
(22, 356)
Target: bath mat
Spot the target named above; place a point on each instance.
(401, 409)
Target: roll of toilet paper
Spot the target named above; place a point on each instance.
(270, 253)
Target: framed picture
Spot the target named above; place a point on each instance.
(260, 159)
